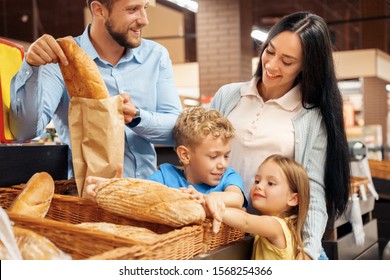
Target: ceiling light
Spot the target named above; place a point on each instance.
(388, 87)
(187, 4)
(259, 35)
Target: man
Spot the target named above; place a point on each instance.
(139, 70)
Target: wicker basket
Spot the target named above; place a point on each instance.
(64, 187)
(225, 235)
(175, 244)
(356, 182)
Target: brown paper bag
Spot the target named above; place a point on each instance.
(97, 137)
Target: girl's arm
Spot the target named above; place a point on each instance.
(262, 225)
(231, 197)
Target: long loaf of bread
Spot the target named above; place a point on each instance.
(34, 200)
(139, 235)
(149, 201)
(82, 77)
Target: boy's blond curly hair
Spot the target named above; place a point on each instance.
(196, 123)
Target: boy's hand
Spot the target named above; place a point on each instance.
(93, 181)
(194, 194)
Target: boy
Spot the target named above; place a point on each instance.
(203, 143)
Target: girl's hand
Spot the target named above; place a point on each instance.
(215, 206)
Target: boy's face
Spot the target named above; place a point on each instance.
(208, 161)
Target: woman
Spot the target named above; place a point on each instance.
(292, 106)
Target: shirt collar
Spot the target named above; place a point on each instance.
(86, 45)
(289, 101)
(250, 88)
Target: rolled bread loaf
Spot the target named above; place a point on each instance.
(34, 200)
(149, 201)
(82, 77)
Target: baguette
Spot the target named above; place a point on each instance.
(149, 201)
(33, 246)
(82, 77)
(139, 235)
(34, 200)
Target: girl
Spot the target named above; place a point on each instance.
(281, 194)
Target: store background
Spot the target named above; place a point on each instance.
(213, 46)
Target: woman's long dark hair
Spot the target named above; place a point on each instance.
(319, 89)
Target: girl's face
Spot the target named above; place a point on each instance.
(281, 62)
(270, 192)
(208, 161)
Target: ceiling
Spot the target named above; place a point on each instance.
(347, 19)
(355, 24)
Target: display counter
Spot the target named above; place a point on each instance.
(19, 162)
(237, 250)
(380, 171)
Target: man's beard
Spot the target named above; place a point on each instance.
(121, 37)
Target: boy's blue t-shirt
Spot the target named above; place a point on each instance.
(171, 176)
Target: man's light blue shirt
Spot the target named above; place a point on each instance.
(38, 95)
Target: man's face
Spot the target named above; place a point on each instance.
(126, 20)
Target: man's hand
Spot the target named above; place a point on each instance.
(45, 50)
(128, 108)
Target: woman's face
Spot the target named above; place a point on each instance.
(281, 62)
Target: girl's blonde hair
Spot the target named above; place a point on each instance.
(298, 182)
(196, 123)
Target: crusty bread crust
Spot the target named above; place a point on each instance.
(139, 235)
(34, 200)
(33, 246)
(82, 77)
(149, 201)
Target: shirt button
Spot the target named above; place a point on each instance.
(27, 72)
(297, 141)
